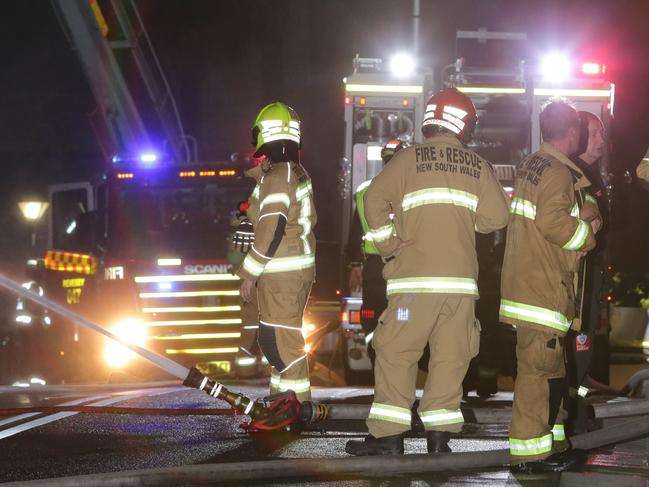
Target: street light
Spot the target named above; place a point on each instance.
(32, 212)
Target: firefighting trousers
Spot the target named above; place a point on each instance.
(281, 307)
(448, 325)
(537, 428)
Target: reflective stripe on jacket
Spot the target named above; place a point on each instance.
(440, 193)
(544, 235)
(283, 216)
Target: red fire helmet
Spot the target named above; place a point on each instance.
(453, 111)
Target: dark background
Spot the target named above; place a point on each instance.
(226, 59)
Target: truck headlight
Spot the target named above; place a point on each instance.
(131, 331)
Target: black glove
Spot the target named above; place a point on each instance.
(244, 236)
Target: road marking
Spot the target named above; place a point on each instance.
(57, 416)
(76, 402)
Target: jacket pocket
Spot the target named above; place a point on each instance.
(548, 354)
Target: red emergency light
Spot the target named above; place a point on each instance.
(593, 68)
(348, 100)
(368, 313)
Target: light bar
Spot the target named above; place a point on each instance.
(223, 321)
(592, 68)
(201, 351)
(187, 278)
(227, 172)
(148, 157)
(351, 88)
(187, 174)
(207, 173)
(198, 336)
(125, 175)
(192, 309)
(163, 262)
(491, 90)
(572, 93)
(188, 294)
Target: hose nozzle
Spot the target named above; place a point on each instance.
(215, 389)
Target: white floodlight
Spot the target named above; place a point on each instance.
(402, 64)
(555, 67)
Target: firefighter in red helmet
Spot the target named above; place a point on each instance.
(440, 193)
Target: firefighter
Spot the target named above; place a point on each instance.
(547, 235)
(586, 336)
(281, 261)
(439, 193)
(366, 265)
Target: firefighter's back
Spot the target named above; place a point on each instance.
(443, 186)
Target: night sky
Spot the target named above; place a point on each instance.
(226, 59)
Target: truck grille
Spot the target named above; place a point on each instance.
(195, 317)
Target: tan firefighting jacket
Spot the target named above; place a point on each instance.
(440, 193)
(283, 215)
(544, 237)
(643, 168)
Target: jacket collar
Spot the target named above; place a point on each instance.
(581, 181)
(444, 139)
(258, 172)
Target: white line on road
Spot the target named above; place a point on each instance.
(76, 402)
(66, 414)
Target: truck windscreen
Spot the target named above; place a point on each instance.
(189, 221)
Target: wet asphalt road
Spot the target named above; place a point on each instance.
(67, 444)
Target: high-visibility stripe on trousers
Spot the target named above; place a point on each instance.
(282, 385)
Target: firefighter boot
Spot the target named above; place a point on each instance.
(437, 441)
(557, 462)
(387, 445)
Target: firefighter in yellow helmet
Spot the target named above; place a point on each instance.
(281, 261)
(440, 193)
(548, 233)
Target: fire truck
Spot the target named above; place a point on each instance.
(143, 248)
(509, 96)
